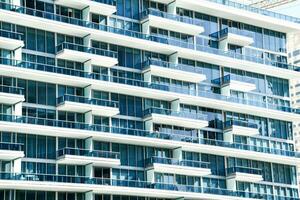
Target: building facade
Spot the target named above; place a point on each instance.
(147, 100)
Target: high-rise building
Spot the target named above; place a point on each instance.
(146, 100)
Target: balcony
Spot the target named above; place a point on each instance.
(236, 82)
(181, 118)
(11, 151)
(79, 53)
(103, 7)
(183, 167)
(234, 36)
(174, 71)
(238, 127)
(11, 95)
(75, 156)
(245, 174)
(11, 40)
(81, 104)
(159, 19)
(120, 187)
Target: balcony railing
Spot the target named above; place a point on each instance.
(230, 123)
(171, 161)
(92, 101)
(148, 134)
(88, 153)
(140, 83)
(11, 89)
(81, 48)
(108, 2)
(183, 114)
(139, 35)
(257, 10)
(224, 33)
(125, 183)
(170, 65)
(227, 78)
(11, 146)
(246, 170)
(178, 18)
(11, 35)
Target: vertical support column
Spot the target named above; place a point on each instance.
(88, 92)
(18, 109)
(225, 90)
(231, 184)
(150, 176)
(223, 45)
(146, 28)
(89, 171)
(175, 105)
(147, 77)
(17, 166)
(86, 14)
(149, 125)
(228, 136)
(89, 145)
(89, 195)
(177, 153)
(171, 8)
(18, 53)
(16, 2)
(88, 117)
(173, 58)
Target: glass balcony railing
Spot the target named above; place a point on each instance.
(11, 89)
(182, 67)
(246, 170)
(139, 35)
(92, 101)
(171, 161)
(257, 10)
(224, 33)
(11, 35)
(11, 146)
(91, 50)
(140, 83)
(143, 133)
(108, 2)
(178, 18)
(125, 183)
(230, 123)
(183, 114)
(227, 78)
(88, 153)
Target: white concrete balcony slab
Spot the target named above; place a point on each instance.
(10, 40)
(71, 156)
(236, 36)
(174, 166)
(245, 174)
(79, 53)
(174, 71)
(169, 117)
(11, 151)
(156, 18)
(11, 95)
(81, 104)
(104, 7)
(243, 128)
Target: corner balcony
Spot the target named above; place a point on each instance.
(182, 167)
(238, 127)
(174, 71)
(103, 7)
(245, 174)
(11, 151)
(236, 82)
(81, 104)
(75, 156)
(234, 36)
(181, 118)
(11, 95)
(159, 19)
(11, 40)
(79, 53)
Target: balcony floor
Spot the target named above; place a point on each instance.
(10, 44)
(85, 160)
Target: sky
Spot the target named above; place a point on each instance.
(292, 9)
